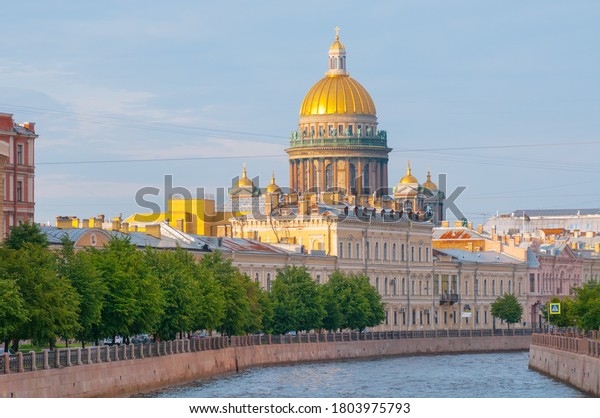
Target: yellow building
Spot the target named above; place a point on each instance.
(194, 216)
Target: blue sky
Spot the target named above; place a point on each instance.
(459, 85)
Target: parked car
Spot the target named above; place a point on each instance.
(141, 339)
(109, 341)
(10, 351)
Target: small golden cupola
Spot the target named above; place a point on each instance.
(429, 184)
(273, 188)
(244, 181)
(409, 178)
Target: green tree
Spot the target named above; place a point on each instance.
(25, 233)
(134, 300)
(239, 297)
(52, 303)
(13, 313)
(567, 316)
(587, 305)
(351, 302)
(508, 309)
(296, 300)
(79, 268)
(176, 273)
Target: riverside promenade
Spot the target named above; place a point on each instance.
(116, 371)
(571, 357)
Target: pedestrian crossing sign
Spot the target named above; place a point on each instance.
(555, 309)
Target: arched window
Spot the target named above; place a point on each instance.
(412, 253)
(377, 284)
(402, 252)
(376, 251)
(395, 286)
(485, 287)
(256, 278)
(329, 177)
(427, 254)
(349, 250)
(341, 251)
(501, 287)
(394, 256)
(493, 287)
(476, 287)
(367, 251)
(403, 285)
(385, 288)
(385, 257)
(357, 250)
(420, 254)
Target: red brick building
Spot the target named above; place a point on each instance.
(18, 172)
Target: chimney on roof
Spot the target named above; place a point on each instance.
(445, 224)
(480, 229)
(153, 230)
(457, 224)
(125, 227)
(30, 126)
(85, 223)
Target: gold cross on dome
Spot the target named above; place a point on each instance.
(337, 31)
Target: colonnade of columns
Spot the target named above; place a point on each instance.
(352, 175)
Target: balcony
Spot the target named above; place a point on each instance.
(449, 298)
(377, 139)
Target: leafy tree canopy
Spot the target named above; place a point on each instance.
(508, 309)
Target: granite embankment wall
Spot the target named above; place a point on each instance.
(125, 377)
(569, 358)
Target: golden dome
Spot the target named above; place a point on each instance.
(337, 46)
(245, 181)
(273, 188)
(429, 184)
(337, 94)
(409, 178)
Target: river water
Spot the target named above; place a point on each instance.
(488, 375)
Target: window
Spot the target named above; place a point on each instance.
(376, 251)
(256, 277)
(414, 317)
(395, 286)
(385, 288)
(403, 286)
(318, 279)
(19, 191)
(328, 177)
(412, 253)
(377, 284)
(395, 317)
(402, 252)
(412, 285)
(493, 287)
(476, 287)
(268, 282)
(466, 287)
(20, 154)
(427, 254)
(385, 255)
(357, 250)
(349, 250)
(501, 287)
(445, 317)
(341, 251)
(367, 251)
(420, 254)
(386, 317)
(420, 317)
(485, 317)
(485, 287)
(420, 287)
(394, 258)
